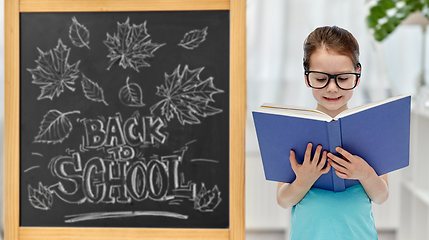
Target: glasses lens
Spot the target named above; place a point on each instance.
(346, 81)
(317, 80)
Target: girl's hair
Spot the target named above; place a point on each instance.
(331, 38)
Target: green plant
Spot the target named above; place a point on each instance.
(386, 15)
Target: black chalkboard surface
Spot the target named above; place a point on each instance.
(124, 119)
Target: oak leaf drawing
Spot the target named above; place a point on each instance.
(92, 91)
(186, 96)
(40, 198)
(53, 72)
(55, 127)
(130, 46)
(79, 34)
(207, 201)
(193, 38)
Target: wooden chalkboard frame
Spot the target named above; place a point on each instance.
(13, 8)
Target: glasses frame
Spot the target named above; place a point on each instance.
(334, 76)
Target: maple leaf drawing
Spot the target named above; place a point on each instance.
(186, 96)
(53, 72)
(130, 46)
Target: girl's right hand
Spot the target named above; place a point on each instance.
(311, 169)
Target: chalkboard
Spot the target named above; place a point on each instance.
(124, 119)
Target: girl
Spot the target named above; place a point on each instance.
(332, 70)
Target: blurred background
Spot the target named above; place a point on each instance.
(394, 59)
(393, 54)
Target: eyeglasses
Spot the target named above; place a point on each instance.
(344, 81)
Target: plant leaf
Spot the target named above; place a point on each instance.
(92, 91)
(53, 72)
(377, 12)
(130, 46)
(186, 96)
(78, 34)
(387, 4)
(193, 38)
(131, 95)
(40, 198)
(55, 127)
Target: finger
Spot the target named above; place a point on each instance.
(341, 175)
(322, 162)
(316, 156)
(327, 168)
(307, 156)
(338, 160)
(337, 166)
(344, 153)
(292, 160)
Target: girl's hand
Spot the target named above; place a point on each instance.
(311, 169)
(352, 167)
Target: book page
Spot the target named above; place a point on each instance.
(294, 112)
(367, 106)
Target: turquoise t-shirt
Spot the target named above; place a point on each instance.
(323, 214)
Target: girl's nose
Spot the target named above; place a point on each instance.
(332, 86)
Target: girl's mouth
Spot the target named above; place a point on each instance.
(332, 99)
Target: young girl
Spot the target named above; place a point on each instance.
(332, 70)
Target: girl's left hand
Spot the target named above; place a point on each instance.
(352, 167)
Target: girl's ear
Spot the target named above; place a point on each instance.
(305, 80)
(359, 68)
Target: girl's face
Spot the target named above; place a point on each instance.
(331, 99)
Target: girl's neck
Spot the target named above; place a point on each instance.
(331, 113)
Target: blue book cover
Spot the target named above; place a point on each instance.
(378, 132)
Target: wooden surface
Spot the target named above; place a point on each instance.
(122, 5)
(120, 234)
(237, 120)
(11, 138)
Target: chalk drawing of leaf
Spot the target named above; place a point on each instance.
(207, 201)
(131, 95)
(53, 72)
(186, 96)
(193, 38)
(79, 34)
(40, 198)
(55, 127)
(130, 46)
(92, 91)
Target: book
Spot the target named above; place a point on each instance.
(378, 132)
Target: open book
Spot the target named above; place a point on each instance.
(378, 132)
